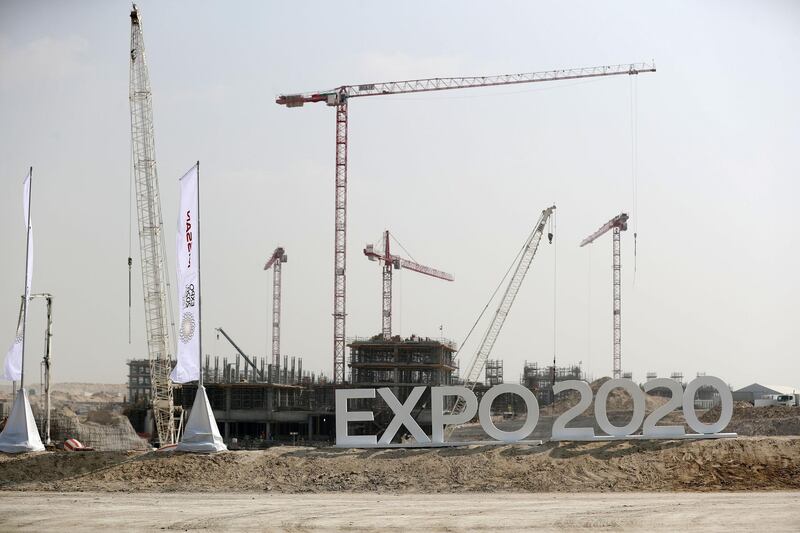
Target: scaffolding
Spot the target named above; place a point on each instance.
(677, 376)
(540, 379)
(400, 364)
(494, 372)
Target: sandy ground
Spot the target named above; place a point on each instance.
(745, 463)
(757, 511)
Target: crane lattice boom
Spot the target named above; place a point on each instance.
(339, 97)
(472, 376)
(340, 94)
(532, 244)
(620, 221)
(148, 209)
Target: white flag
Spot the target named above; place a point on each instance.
(12, 369)
(188, 356)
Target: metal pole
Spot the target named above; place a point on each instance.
(199, 289)
(47, 363)
(26, 291)
(617, 305)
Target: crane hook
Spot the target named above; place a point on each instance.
(550, 237)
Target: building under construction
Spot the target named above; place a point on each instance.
(540, 379)
(254, 403)
(400, 364)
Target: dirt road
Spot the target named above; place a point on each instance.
(755, 511)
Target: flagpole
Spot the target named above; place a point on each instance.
(26, 289)
(199, 289)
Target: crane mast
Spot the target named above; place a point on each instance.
(339, 97)
(148, 209)
(391, 262)
(617, 225)
(278, 257)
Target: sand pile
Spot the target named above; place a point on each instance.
(618, 400)
(749, 420)
(730, 464)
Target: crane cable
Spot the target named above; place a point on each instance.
(634, 112)
(551, 238)
(130, 237)
(391, 235)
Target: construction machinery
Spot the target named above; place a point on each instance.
(339, 99)
(46, 362)
(394, 262)
(249, 361)
(155, 282)
(617, 225)
(274, 262)
(473, 374)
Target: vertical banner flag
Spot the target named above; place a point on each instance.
(188, 356)
(12, 369)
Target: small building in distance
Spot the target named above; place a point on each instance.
(754, 391)
(138, 382)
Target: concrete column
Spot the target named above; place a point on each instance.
(227, 413)
(310, 426)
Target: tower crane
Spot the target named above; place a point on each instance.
(274, 262)
(339, 98)
(394, 262)
(153, 258)
(617, 225)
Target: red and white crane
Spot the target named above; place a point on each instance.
(617, 224)
(339, 98)
(274, 262)
(394, 262)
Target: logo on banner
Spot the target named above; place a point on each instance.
(188, 297)
(189, 238)
(187, 327)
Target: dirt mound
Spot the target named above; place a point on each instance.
(730, 464)
(618, 400)
(749, 420)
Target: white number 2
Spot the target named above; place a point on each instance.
(650, 428)
(560, 429)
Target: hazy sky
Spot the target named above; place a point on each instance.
(459, 177)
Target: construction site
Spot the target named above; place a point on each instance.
(519, 402)
(260, 401)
